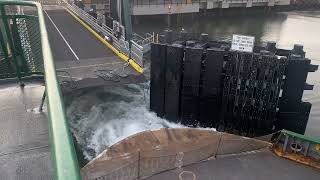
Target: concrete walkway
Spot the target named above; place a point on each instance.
(24, 146)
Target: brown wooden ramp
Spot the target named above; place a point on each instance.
(187, 153)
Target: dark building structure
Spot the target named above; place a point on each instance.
(201, 82)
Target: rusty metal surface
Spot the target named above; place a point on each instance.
(297, 147)
(309, 161)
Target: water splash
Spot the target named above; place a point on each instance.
(101, 117)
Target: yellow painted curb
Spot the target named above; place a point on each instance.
(131, 61)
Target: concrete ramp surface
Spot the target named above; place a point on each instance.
(82, 60)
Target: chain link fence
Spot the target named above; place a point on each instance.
(30, 42)
(20, 53)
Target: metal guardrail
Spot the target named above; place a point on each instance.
(102, 29)
(302, 137)
(137, 49)
(31, 47)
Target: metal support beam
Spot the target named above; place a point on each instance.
(127, 18)
(42, 100)
(3, 45)
(10, 41)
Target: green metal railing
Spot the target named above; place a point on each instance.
(25, 51)
(20, 46)
(298, 147)
(302, 137)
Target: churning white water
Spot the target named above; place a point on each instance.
(101, 117)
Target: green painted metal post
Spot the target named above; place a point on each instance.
(11, 44)
(64, 161)
(4, 50)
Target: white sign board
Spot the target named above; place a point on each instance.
(242, 43)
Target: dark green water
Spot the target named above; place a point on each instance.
(286, 29)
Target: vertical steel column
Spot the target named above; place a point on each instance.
(127, 18)
(157, 79)
(114, 10)
(173, 77)
(126, 4)
(11, 44)
(42, 100)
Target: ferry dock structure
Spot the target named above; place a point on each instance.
(157, 7)
(36, 142)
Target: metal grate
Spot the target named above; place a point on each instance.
(31, 44)
(20, 53)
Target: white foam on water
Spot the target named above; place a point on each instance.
(101, 117)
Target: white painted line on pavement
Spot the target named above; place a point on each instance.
(75, 55)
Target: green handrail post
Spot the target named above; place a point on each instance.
(64, 161)
(4, 50)
(10, 41)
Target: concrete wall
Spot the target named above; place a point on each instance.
(162, 7)
(100, 7)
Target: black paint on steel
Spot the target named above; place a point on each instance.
(173, 82)
(211, 87)
(189, 110)
(191, 72)
(293, 113)
(191, 86)
(295, 119)
(296, 76)
(233, 91)
(157, 83)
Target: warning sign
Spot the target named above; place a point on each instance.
(242, 43)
